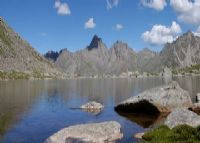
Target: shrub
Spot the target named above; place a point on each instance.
(179, 134)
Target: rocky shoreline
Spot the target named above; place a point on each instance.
(169, 99)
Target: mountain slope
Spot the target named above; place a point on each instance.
(17, 55)
(184, 52)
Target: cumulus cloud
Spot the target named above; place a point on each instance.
(90, 24)
(188, 10)
(155, 4)
(62, 8)
(119, 26)
(112, 3)
(197, 33)
(160, 34)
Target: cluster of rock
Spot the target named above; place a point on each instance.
(170, 99)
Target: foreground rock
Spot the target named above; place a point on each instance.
(92, 106)
(182, 116)
(89, 133)
(162, 99)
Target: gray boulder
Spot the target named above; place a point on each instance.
(182, 116)
(161, 99)
(89, 133)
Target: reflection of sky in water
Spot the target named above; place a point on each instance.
(30, 111)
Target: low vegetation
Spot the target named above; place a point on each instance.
(14, 75)
(179, 134)
(4, 37)
(194, 69)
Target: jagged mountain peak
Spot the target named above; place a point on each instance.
(96, 43)
(120, 43)
(63, 50)
(145, 50)
(51, 55)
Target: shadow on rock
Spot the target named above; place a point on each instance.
(144, 120)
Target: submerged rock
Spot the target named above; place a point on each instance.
(182, 116)
(92, 106)
(90, 133)
(162, 99)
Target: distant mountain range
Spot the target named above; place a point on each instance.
(96, 59)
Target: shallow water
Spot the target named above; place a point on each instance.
(31, 111)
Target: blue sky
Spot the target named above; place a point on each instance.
(49, 27)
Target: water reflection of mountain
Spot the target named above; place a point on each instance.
(16, 99)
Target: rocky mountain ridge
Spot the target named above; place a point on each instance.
(97, 59)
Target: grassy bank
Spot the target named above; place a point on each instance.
(195, 69)
(179, 134)
(14, 75)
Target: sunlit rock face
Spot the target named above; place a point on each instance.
(95, 133)
(163, 99)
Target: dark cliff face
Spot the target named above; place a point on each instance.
(95, 43)
(51, 55)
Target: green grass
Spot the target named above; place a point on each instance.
(179, 134)
(13, 75)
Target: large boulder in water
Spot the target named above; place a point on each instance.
(182, 117)
(88, 133)
(163, 99)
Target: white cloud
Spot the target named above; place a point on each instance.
(119, 26)
(155, 4)
(90, 24)
(112, 3)
(188, 10)
(62, 8)
(197, 33)
(160, 34)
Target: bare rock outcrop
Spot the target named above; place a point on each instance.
(182, 116)
(163, 99)
(103, 132)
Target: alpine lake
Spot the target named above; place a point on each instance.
(33, 110)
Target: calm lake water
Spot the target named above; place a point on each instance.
(31, 111)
